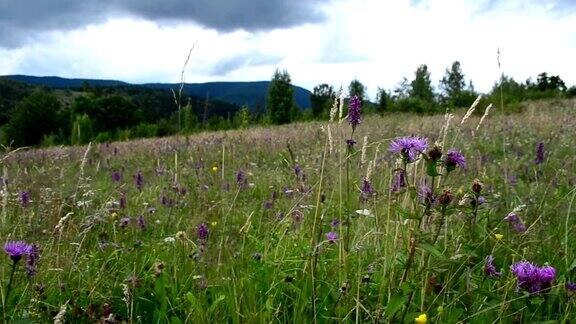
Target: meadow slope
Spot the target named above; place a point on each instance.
(279, 225)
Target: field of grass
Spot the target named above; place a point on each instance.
(276, 225)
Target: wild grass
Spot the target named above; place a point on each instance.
(269, 196)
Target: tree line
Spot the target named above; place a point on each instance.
(32, 116)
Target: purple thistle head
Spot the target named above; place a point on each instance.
(141, 222)
(540, 152)
(399, 181)
(16, 249)
(32, 260)
(532, 278)
(268, 204)
(514, 220)
(490, 269)
(124, 222)
(571, 287)
(139, 180)
(454, 159)
(409, 147)
(332, 237)
(350, 143)
(202, 232)
(354, 112)
(116, 176)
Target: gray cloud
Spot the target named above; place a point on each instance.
(22, 19)
(227, 65)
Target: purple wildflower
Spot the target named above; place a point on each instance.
(366, 191)
(16, 249)
(399, 181)
(202, 232)
(354, 112)
(335, 222)
(350, 143)
(241, 180)
(139, 180)
(532, 278)
(425, 194)
(124, 222)
(514, 220)
(141, 222)
(571, 287)
(490, 269)
(268, 204)
(299, 173)
(24, 199)
(409, 147)
(539, 153)
(454, 159)
(332, 237)
(32, 260)
(116, 176)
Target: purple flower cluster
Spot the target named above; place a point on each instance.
(139, 180)
(332, 237)
(532, 278)
(425, 195)
(409, 147)
(366, 191)
(350, 143)
(116, 176)
(17, 249)
(24, 199)
(539, 153)
(454, 159)
(202, 232)
(514, 220)
(354, 112)
(490, 269)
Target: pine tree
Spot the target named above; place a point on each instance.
(280, 101)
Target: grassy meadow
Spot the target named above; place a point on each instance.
(277, 224)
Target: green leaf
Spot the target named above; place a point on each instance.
(432, 250)
(394, 304)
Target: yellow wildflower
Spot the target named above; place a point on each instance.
(214, 169)
(498, 236)
(422, 319)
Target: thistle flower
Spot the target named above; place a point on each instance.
(425, 194)
(490, 269)
(24, 199)
(514, 220)
(366, 191)
(141, 222)
(332, 237)
(241, 180)
(454, 159)
(409, 147)
(571, 287)
(532, 278)
(299, 173)
(16, 249)
(354, 112)
(539, 153)
(335, 222)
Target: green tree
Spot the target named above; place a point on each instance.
(36, 116)
(452, 84)
(242, 118)
(82, 130)
(421, 86)
(321, 100)
(189, 119)
(280, 101)
(384, 100)
(356, 88)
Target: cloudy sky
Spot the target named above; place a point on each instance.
(317, 41)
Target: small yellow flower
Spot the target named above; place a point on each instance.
(114, 215)
(181, 235)
(214, 169)
(214, 223)
(498, 236)
(422, 319)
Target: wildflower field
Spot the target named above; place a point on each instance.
(400, 218)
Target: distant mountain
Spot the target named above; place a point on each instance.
(252, 94)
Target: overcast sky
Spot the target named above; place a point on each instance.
(317, 41)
